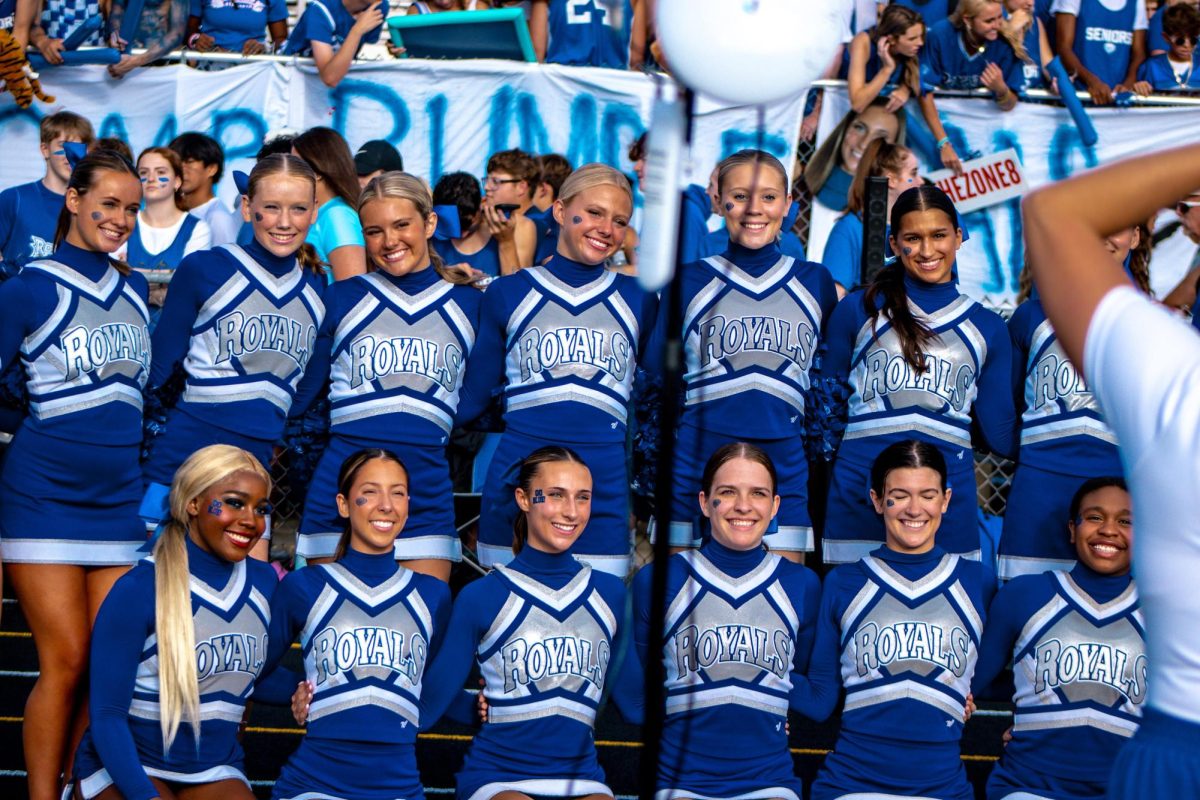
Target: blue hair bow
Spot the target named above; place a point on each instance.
(449, 226)
(242, 181)
(75, 152)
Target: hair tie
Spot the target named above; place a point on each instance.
(242, 181)
(449, 226)
(75, 152)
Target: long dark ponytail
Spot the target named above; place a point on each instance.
(530, 467)
(888, 284)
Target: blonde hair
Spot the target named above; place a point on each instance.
(289, 166)
(403, 186)
(175, 632)
(589, 176)
(973, 8)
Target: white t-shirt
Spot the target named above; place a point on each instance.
(223, 224)
(1143, 363)
(155, 240)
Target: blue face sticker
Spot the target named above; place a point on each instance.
(891, 503)
(143, 178)
(716, 503)
(59, 152)
(729, 206)
(906, 250)
(97, 216)
(258, 217)
(538, 497)
(360, 501)
(215, 507)
(577, 220)
(163, 179)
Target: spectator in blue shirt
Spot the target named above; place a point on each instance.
(58, 20)
(1156, 44)
(1102, 43)
(1027, 33)
(332, 31)
(236, 26)
(1175, 70)
(970, 50)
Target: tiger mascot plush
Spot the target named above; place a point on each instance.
(16, 75)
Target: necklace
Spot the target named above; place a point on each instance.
(1182, 78)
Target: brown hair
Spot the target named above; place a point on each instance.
(728, 452)
(1139, 264)
(1181, 19)
(895, 21)
(517, 163)
(530, 466)
(829, 154)
(402, 186)
(172, 158)
(877, 160)
(83, 178)
(115, 144)
(65, 123)
(743, 157)
(327, 153)
(348, 473)
(553, 169)
(289, 166)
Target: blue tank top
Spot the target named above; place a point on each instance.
(589, 33)
(138, 257)
(486, 260)
(1104, 39)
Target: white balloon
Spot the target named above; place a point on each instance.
(749, 51)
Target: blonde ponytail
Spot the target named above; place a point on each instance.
(175, 632)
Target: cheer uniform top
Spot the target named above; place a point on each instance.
(900, 633)
(1064, 441)
(593, 33)
(68, 489)
(751, 322)
(1104, 31)
(28, 217)
(367, 629)
(946, 63)
(1077, 644)
(543, 630)
(739, 626)
(1144, 365)
(397, 348)
(230, 613)
(232, 23)
(968, 378)
(328, 22)
(560, 343)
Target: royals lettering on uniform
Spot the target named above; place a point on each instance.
(229, 652)
(1108, 36)
(1053, 377)
(239, 335)
(722, 336)
(877, 647)
(887, 372)
(90, 349)
(697, 649)
(335, 651)
(565, 346)
(1091, 662)
(374, 358)
(528, 662)
(39, 247)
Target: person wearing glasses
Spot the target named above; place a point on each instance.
(1175, 70)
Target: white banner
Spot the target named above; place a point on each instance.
(1047, 143)
(441, 115)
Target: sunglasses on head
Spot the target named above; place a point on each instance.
(1184, 206)
(1180, 41)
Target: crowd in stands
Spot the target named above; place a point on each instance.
(160, 352)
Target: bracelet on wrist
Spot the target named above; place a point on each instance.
(191, 42)
(942, 142)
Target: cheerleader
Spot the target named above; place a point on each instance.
(1076, 642)
(166, 233)
(367, 628)
(543, 630)
(899, 631)
(242, 323)
(398, 338)
(731, 584)
(1064, 438)
(912, 357)
(561, 343)
(179, 642)
(752, 317)
(1142, 362)
(69, 485)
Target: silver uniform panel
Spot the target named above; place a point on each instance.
(1058, 401)
(739, 340)
(96, 336)
(1075, 650)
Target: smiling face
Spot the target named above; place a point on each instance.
(159, 181)
(754, 200)
(1103, 531)
(873, 123)
(377, 506)
(230, 516)
(912, 506)
(103, 218)
(927, 242)
(557, 505)
(594, 223)
(740, 504)
(282, 210)
(986, 25)
(397, 237)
